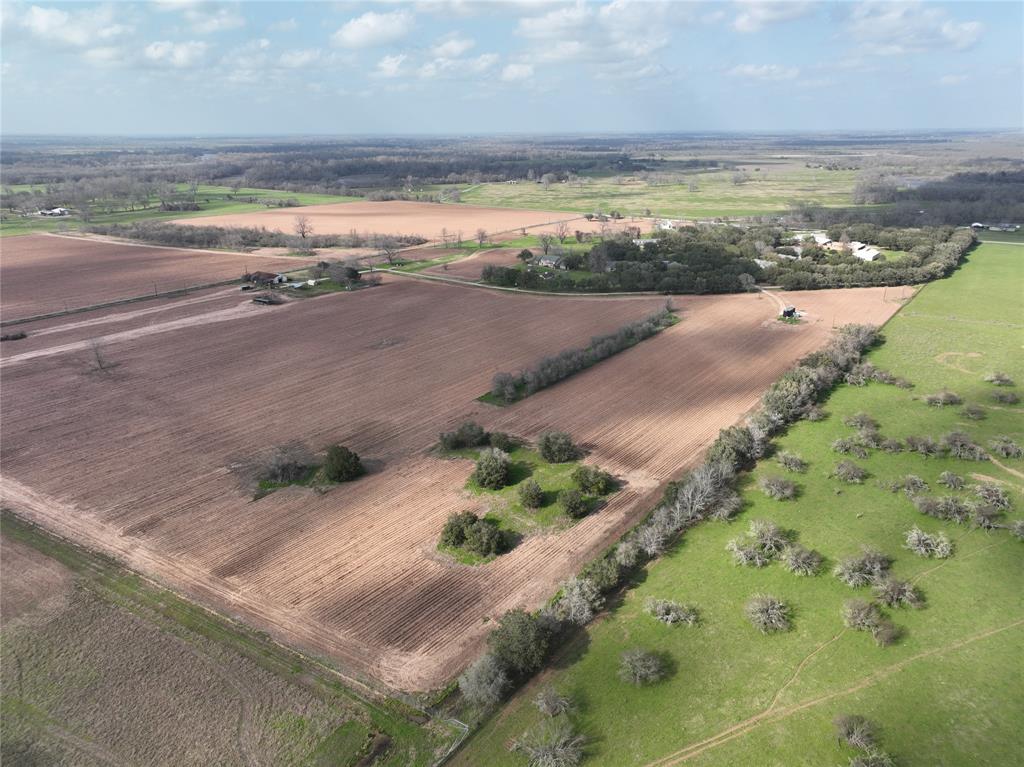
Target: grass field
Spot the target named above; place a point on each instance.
(213, 201)
(86, 644)
(948, 692)
(767, 191)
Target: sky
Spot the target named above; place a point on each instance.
(456, 67)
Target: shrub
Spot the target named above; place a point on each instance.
(984, 516)
(993, 495)
(484, 538)
(531, 495)
(735, 446)
(959, 445)
(891, 446)
(551, 702)
(762, 543)
(747, 553)
(926, 545)
(860, 615)
(912, 485)
(973, 412)
(603, 573)
(1005, 397)
(998, 378)
(552, 743)
(579, 600)
(814, 413)
(671, 612)
(951, 480)
(925, 446)
(286, 463)
(946, 507)
(640, 667)
(468, 434)
(501, 441)
(492, 469)
(845, 445)
(485, 682)
(855, 731)
(454, 531)
(573, 503)
(861, 421)
(768, 614)
(1005, 447)
(519, 643)
(593, 481)
(778, 488)
(1017, 529)
(342, 465)
(870, 567)
(791, 461)
(849, 472)
(893, 593)
(943, 398)
(874, 759)
(885, 633)
(800, 560)
(557, 447)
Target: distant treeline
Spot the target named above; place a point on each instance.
(959, 200)
(245, 238)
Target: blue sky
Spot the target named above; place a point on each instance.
(455, 67)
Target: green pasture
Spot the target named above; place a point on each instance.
(948, 692)
(768, 191)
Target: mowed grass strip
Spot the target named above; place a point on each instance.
(948, 692)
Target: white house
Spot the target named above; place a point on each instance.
(552, 262)
(55, 212)
(644, 241)
(667, 225)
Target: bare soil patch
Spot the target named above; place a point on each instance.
(34, 586)
(143, 471)
(425, 219)
(42, 273)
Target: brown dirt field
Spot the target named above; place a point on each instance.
(143, 470)
(41, 273)
(471, 267)
(425, 219)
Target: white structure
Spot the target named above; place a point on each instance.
(644, 241)
(667, 225)
(55, 212)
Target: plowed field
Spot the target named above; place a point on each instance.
(41, 273)
(471, 267)
(426, 219)
(137, 461)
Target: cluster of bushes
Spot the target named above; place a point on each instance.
(764, 542)
(858, 733)
(983, 511)
(508, 387)
(471, 434)
(294, 462)
(467, 531)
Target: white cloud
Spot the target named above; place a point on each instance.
(452, 47)
(441, 67)
(299, 58)
(106, 55)
(75, 28)
(561, 22)
(285, 25)
(949, 80)
(755, 14)
(766, 72)
(893, 29)
(204, 18)
(373, 29)
(516, 73)
(177, 55)
(391, 66)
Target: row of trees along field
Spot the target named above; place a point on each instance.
(721, 259)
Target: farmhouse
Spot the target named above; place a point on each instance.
(55, 212)
(667, 225)
(267, 278)
(552, 262)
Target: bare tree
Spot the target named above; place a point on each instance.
(481, 237)
(444, 236)
(562, 230)
(546, 241)
(100, 363)
(303, 227)
(388, 248)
